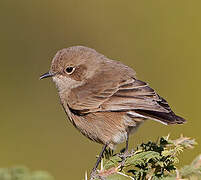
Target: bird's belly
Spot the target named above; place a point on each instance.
(105, 127)
(119, 137)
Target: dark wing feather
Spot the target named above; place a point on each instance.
(158, 109)
(137, 96)
(134, 95)
(167, 118)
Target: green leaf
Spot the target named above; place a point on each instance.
(113, 161)
(118, 177)
(142, 158)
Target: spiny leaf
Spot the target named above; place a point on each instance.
(152, 160)
(142, 158)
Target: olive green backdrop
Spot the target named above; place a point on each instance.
(161, 40)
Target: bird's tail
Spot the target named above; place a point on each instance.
(165, 118)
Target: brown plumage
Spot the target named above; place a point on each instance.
(103, 98)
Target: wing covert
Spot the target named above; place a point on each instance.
(126, 95)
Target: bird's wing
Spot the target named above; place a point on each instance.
(135, 95)
(139, 100)
(125, 95)
(132, 96)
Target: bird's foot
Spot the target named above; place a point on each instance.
(123, 156)
(94, 175)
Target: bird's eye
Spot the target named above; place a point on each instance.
(70, 69)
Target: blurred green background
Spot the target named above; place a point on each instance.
(161, 40)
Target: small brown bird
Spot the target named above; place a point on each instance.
(103, 98)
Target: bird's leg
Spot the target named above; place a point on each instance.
(125, 153)
(93, 172)
(126, 149)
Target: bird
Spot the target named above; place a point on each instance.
(103, 98)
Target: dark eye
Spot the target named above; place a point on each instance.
(70, 69)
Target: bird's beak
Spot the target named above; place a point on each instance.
(46, 75)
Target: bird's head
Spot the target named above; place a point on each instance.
(72, 66)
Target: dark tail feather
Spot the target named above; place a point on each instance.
(168, 118)
(180, 120)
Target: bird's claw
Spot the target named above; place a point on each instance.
(124, 156)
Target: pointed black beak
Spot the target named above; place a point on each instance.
(46, 75)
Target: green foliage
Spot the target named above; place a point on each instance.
(23, 173)
(151, 161)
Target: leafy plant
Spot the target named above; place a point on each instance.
(151, 161)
